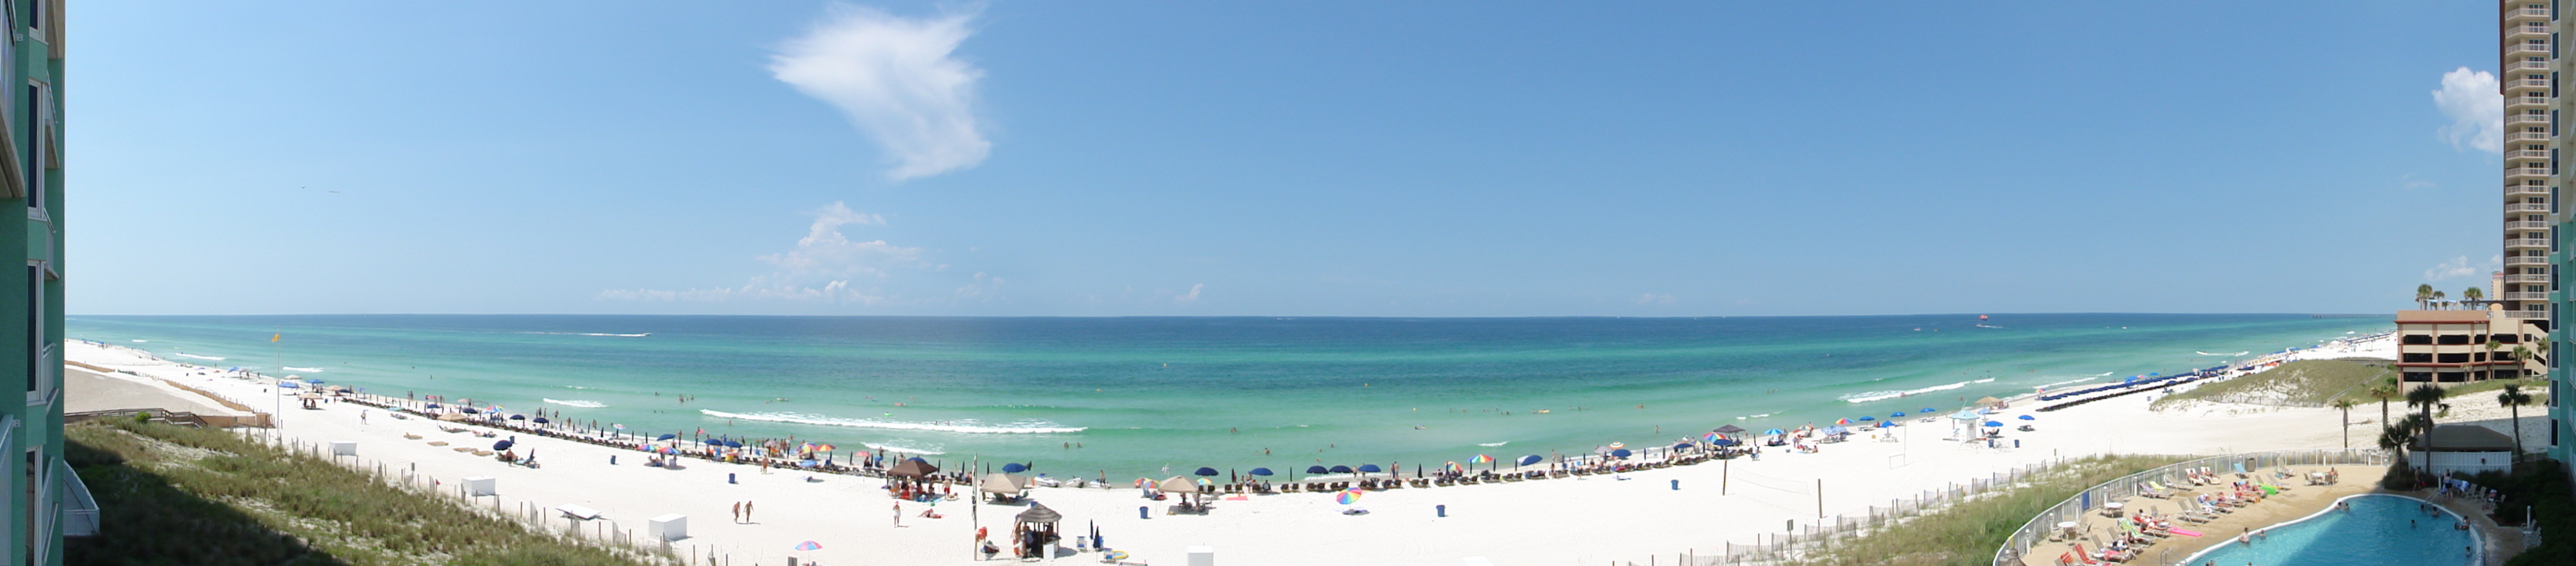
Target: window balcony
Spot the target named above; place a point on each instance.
(2526, 225)
(2527, 278)
(2526, 296)
(2526, 207)
(2527, 101)
(2529, 48)
(79, 512)
(2532, 13)
(2526, 260)
(2539, 153)
(2542, 243)
(2527, 119)
(2530, 65)
(2530, 82)
(2526, 314)
(2527, 172)
(2530, 190)
(2531, 136)
(2541, 32)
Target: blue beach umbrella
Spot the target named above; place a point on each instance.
(470, 410)
(1868, 418)
(1206, 471)
(1530, 459)
(666, 436)
(1014, 467)
(1898, 415)
(734, 444)
(286, 385)
(1929, 409)
(518, 417)
(1317, 470)
(1682, 446)
(912, 459)
(502, 445)
(431, 405)
(714, 441)
(1340, 469)
(1370, 468)
(1620, 453)
(1259, 471)
(541, 420)
(1836, 430)
(1994, 423)
(2029, 418)
(1774, 431)
(1726, 442)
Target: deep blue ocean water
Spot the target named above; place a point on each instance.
(1138, 394)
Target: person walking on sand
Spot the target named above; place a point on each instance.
(898, 514)
(737, 512)
(746, 511)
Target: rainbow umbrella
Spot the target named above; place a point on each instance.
(809, 545)
(1845, 422)
(1454, 468)
(1481, 459)
(1712, 438)
(1348, 496)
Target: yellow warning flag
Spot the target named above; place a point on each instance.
(274, 337)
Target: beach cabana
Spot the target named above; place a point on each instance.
(1034, 531)
(1730, 430)
(1004, 484)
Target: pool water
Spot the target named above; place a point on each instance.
(2387, 530)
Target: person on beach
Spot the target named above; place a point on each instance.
(898, 514)
(746, 511)
(737, 512)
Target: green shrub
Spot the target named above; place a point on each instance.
(1967, 533)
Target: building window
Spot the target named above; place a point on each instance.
(2451, 358)
(2418, 358)
(2453, 339)
(2418, 339)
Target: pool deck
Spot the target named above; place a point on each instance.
(2297, 500)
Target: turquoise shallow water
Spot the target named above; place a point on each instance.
(1138, 394)
(2380, 530)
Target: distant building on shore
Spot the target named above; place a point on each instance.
(46, 501)
(2452, 346)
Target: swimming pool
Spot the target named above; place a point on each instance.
(2379, 530)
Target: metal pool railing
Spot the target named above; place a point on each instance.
(2035, 531)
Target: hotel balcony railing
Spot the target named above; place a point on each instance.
(2527, 172)
(2534, 190)
(2533, 12)
(2528, 31)
(2534, 65)
(2532, 82)
(2541, 153)
(2540, 136)
(2526, 296)
(2526, 314)
(2529, 48)
(2526, 225)
(2526, 260)
(2526, 207)
(2528, 101)
(2542, 243)
(2527, 278)
(2527, 119)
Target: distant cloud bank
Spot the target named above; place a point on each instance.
(2475, 108)
(822, 267)
(898, 80)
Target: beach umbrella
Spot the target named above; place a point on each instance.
(808, 545)
(1205, 471)
(1530, 459)
(1369, 468)
(1994, 423)
(1481, 459)
(1454, 468)
(1868, 418)
(1620, 453)
(1317, 470)
(1618, 445)
(470, 411)
(667, 437)
(1898, 415)
(1712, 438)
(2029, 418)
(1774, 431)
(1176, 484)
(617, 426)
(1842, 421)
(1928, 410)
(1681, 446)
(518, 417)
(541, 420)
(1340, 469)
(1836, 430)
(713, 441)
(502, 445)
(1726, 442)
(1014, 467)
(1259, 471)
(1348, 496)
(431, 406)
(738, 444)
(1730, 429)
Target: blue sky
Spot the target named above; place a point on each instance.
(1419, 159)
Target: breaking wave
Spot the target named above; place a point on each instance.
(1869, 396)
(578, 403)
(198, 357)
(970, 427)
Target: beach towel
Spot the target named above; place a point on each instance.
(2183, 532)
(2267, 490)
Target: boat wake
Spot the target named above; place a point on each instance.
(578, 403)
(969, 426)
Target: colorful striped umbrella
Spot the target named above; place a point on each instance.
(1454, 468)
(1348, 496)
(1712, 438)
(1845, 422)
(1481, 459)
(809, 545)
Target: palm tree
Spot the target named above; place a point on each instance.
(2437, 298)
(2395, 437)
(2387, 389)
(2492, 345)
(2425, 397)
(2472, 294)
(2514, 400)
(2424, 296)
(2521, 361)
(2346, 406)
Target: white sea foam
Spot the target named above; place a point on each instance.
(902, 449)
(1494, 444)
(578, 403)
(143, 340)
(2221, 354)
(580, 387)
(305, 370)
(2076, 380)
(965, 426)
(1986, 380)
(1869, 396)
(197, 357)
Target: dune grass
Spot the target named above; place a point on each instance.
(176, 495)
(1969, 532)
(2307, 383)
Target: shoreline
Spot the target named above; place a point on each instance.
(1528, 522)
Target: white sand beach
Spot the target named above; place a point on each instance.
(1562, 521)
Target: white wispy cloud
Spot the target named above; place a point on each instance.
(898, 79)
(2476, 110)
(822, 267)
(2457, 267)
(1192, 296)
